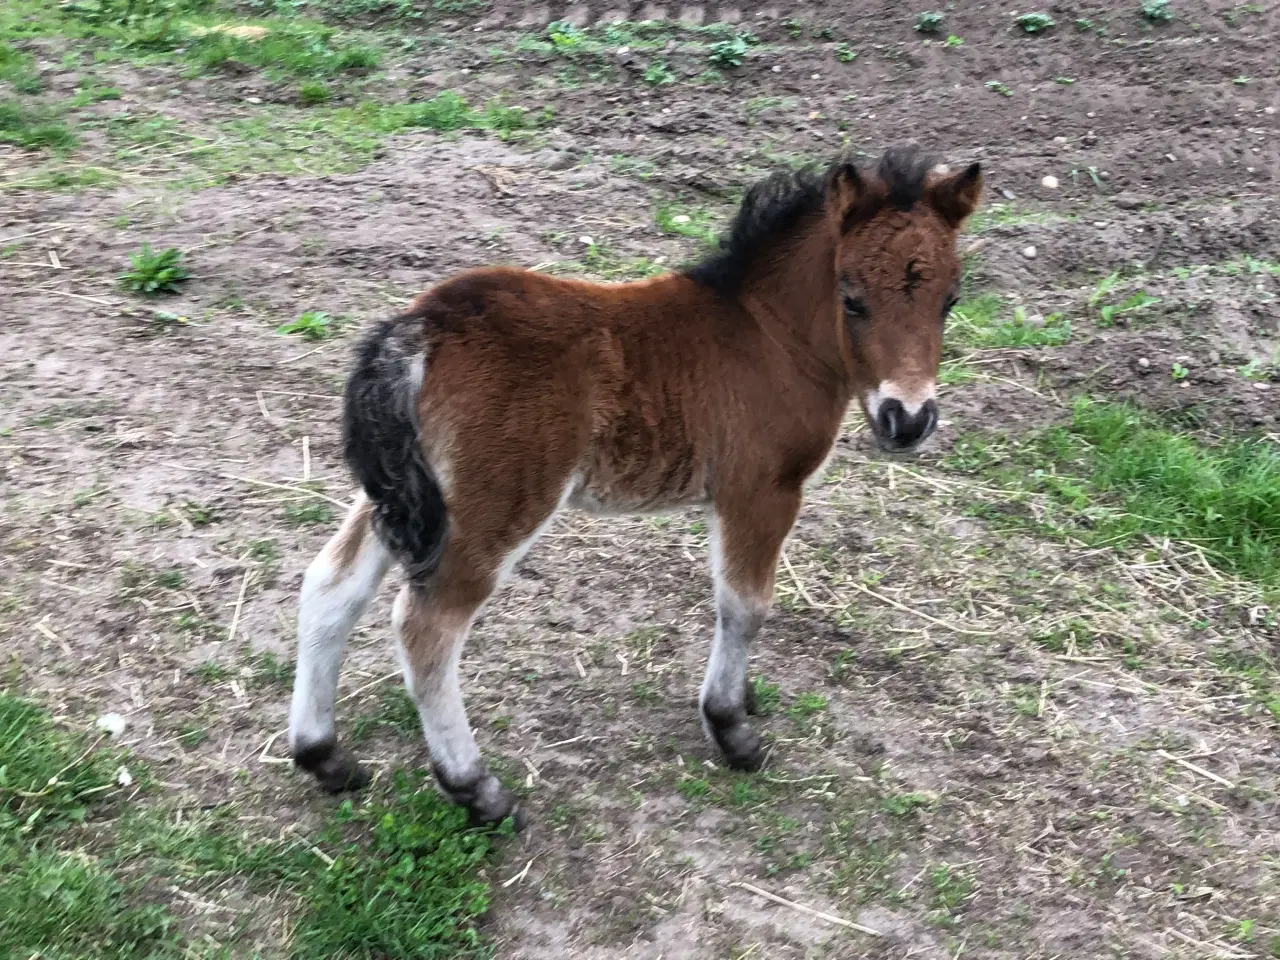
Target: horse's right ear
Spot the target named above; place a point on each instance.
(955, 196)
(845, 188)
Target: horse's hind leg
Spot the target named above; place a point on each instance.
(336, 589)
(431, 625)
(432, 619)
(749, 533)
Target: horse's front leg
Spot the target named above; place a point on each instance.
(748, 533)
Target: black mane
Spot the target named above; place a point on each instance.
(773, 207)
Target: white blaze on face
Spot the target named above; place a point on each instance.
(912, 396)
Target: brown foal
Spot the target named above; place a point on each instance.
(502, 395)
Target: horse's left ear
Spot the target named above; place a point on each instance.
(956, 195)
(844, 189)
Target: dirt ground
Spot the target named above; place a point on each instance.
(953, 765)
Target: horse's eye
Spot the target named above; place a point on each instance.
(854, 307)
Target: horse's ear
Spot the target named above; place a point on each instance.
(956, 195)
(844, 189)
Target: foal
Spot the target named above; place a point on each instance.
(502, 395)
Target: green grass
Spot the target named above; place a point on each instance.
(929, 21)
(1116, 476)
(18, 69)
(151, 273)
(307, 514)
(728, 53)
(1157, 11)
(313, 325)
(54, 901)
(693, 222)
(982, 323)
(1034, 22)
(288, 49)
(33, 128)
(396, 875)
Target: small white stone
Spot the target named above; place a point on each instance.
(1059, 139)
(1049, 183)
(1269, 110)
(777, 68)
(123, 776)
(1144, 363)
(680, 218)
(252, 99)
(586, 241)
(1029, 252)
(623, 51)
(815, 76)
(1262, 386)
(112, 723)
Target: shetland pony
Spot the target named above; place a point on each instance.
(502, 395)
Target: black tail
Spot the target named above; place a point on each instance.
(384, 449)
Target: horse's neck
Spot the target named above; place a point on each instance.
(795, 303)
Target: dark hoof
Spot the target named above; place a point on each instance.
(735, 738)
(487, 801)
(334, 767)
(748, 758)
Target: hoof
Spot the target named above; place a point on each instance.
(735, 738)
(487, 801)
(334, 767)
(748, 756)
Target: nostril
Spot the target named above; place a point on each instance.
(891, 417)
(930, 412)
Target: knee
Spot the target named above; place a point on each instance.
(319, 577)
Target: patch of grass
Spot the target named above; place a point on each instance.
(47, 777)
(307, 514)
(292, 48)
(33, 128)
(395, 711)
(930, 21)
(1115, 476)
(658, 73)
(1034, 22)
(399, 875)
(1108, 314)
(151, 273)
(312, 92)
(951, 887)
(768, 696)
(312, 325)
(212, 673)
(905, 804)
(953, 41)
(55, 902)
(977, 323)
(845, 53)
(1157, 11)
(728, 53)
(18, 69)
(693, 222)
(806, 706)
(602, 262)
(693, 788)
(996, 86)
